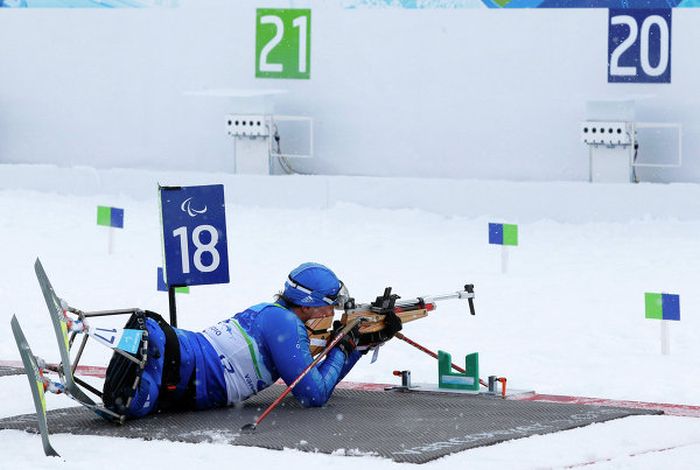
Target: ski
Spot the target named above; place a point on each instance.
(58, 320)
(36, 383)
(61, 325)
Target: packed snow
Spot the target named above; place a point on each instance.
(567, 318)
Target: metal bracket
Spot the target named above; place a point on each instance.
(405, 381)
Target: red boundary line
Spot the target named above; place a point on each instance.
(668, 408)
(671, 409)
(363, 387)
(91, 371)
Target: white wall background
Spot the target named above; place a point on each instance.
(459, 93)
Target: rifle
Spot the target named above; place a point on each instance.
(374, 314)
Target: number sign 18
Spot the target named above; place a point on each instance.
(639, 46)
(194, 235)
(283, 43)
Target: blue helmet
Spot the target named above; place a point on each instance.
(312, 285)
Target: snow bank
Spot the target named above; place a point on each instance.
(516, 202)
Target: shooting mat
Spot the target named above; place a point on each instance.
(411, 427)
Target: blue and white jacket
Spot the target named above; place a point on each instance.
(261, 344)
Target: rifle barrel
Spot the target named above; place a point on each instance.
(428, 299)
(462, 294)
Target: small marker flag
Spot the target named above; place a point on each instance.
(503, 234)
(163, 287)
(662, 306)
(110, 216)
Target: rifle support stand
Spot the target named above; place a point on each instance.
(467, 381)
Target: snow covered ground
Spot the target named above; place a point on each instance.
(568, 317)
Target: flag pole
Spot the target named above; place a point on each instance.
(665, 338)
(110, 241)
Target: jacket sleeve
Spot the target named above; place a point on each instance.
(288, 344)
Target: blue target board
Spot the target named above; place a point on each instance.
(639, 46)
(194, 235)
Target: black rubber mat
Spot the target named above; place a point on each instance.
(407, 427)
(9, 370)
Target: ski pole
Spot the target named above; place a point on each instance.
(402, 337)
(250, 427)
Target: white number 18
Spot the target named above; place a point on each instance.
(201, 248)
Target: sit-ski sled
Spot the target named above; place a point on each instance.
(129, 343)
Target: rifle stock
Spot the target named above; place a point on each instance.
(371, 323)
(375, 322)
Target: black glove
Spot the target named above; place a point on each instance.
(349, 341)
(392, 325)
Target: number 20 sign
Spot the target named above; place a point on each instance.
(194, 235)
(283, 43)
(639, 46)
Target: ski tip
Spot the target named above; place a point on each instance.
(248, 428)
(14, 324)
(50, 452)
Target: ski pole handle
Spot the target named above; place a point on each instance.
(250, 427)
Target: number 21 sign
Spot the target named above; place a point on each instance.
(639, 46)
(283, 43)
(194, 235)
